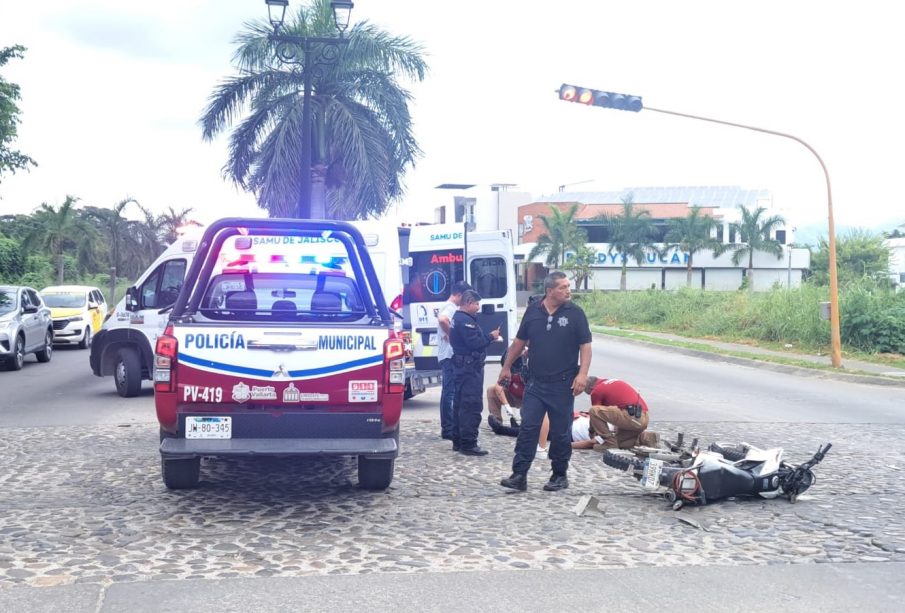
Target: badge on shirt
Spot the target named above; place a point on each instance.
(563, 321)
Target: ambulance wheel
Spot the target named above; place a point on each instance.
(127, 373)
(375, 474)
(180, 474)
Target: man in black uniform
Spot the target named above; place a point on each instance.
(468, 343)
(560, 339)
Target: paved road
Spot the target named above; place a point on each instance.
(65, 392)
(86, 519)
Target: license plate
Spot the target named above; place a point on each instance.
(208, 427)
(650, 478)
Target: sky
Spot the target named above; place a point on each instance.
(112, 91)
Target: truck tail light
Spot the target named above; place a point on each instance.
(165, 361)
(394, 365)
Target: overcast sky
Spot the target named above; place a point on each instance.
(112, 91)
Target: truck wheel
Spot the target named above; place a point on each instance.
(408, 392)
(127, 373)
(46, 353)
(375, 474)
(86, 340)
(180, 474)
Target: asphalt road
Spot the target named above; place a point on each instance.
(64, 392)
(684, 388)
(677, 388)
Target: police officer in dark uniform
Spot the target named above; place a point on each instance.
(469, 343)
(560, 339)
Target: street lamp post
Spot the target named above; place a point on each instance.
(623, 102)
(835, 336)
(314, 54)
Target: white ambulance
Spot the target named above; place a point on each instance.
(441, 255)
(124, 347)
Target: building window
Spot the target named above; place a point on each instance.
(781, 237)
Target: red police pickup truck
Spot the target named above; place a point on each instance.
(280, 343)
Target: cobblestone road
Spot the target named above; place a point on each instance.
(86, 504)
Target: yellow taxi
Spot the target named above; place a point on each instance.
(77, 311)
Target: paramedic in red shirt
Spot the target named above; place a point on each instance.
(616, 403)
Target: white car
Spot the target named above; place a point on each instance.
(78, 312)
(25, 326)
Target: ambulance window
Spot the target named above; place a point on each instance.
(488, 277)
(432, 274)
(162, 287)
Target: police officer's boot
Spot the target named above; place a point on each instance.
(556, 482)
(516, 481)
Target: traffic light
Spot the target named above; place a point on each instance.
(593, 97)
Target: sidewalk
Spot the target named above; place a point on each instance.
(787, 588)
(851, 370)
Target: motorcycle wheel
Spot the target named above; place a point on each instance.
(621, 459)
(806, 483)
(733, 453)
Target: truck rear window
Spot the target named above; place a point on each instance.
(252, 296)
(283, 278)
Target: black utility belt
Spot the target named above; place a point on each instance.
(563, 376)
(459, 360)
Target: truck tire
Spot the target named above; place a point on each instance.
(180, 474)
(46, 353)
(375, 474)
(127, 373)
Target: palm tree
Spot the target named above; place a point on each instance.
(59, 229)
(115, 227)
(362, 135)
(560, 235)
(691, 234)
(170, 221)
(631, 234)
(754, 231)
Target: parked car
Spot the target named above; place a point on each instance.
(25, 326)
(78, 312)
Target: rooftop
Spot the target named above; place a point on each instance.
(705, 196)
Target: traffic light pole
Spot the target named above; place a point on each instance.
(835, 336)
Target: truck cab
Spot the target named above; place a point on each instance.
(280, 342)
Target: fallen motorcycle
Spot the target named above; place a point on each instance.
(694, 476)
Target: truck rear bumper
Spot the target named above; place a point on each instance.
(180, 448)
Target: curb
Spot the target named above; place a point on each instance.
(754, 362)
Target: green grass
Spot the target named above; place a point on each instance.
(780, 320)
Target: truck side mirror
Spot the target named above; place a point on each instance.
(132, 302)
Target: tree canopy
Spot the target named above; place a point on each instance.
(11, 160)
